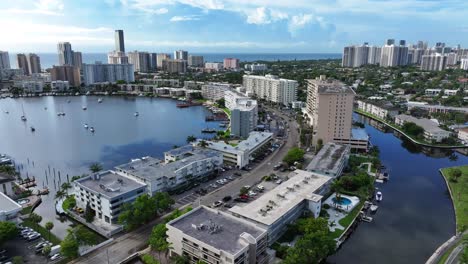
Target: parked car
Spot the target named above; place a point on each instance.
(220, 182)
(228, 205)
(34, 237)
(55, 257)
(252, 193)
(279, 181)
(260, 188)
(217, 203)
(237, 173)
(241, 200)
(244, 196)
(247, 187)
(227, 198)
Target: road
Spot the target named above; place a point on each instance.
(455, 254)
(127, 244)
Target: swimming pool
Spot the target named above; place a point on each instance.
(23, 201)
(342, 201)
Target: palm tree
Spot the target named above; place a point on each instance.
(191, 139)
(60, 194)
(203, 144)
(49, 226)
(95, 167)
(65, 186)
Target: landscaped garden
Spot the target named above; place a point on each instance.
(457, 178)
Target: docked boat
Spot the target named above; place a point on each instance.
(91, 129)
(99, 100)
(374, 208)
(366, 218)
(137, 114)
(84, 108)
(86, 126)
(23, 118)
(6, 112)
(378, 196)
(68, 101)
(33, 129)
(209, 130)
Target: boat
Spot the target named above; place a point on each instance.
(23, 117)
(6, 112)
(91, 129)
(378, 196)
(68, 101)
(209, 130)
(84, 108)
(33, 129)
(366, 218)
(99, 100)
(86, 126)
(137, 114)
(374, 208)
(88, 93)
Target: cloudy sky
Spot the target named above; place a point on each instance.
(228, 25)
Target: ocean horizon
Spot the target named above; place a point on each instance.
(50, 59)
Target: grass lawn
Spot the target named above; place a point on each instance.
(447, 253)
(459, 191)
(26, 210)
(346, 221)
(45, 234)
(227, 111)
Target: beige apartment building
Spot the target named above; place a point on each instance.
(330, 108)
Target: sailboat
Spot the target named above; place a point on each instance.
(23, 117)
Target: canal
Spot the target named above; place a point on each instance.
(416, 214)
(61, 145)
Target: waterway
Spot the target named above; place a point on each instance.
(61, 147)
(416, 214)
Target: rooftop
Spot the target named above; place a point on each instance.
(359, 134)
(217, 229)
(426, 124)
(382, 104)
(329, 158)
(271, 206)
(7, 204)
(255, 138)
(6, 177)
(109, 184)
(330, 86)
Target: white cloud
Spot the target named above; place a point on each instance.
(263, 15)
(184, 18)
(42, 7)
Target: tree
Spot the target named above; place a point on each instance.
(176, 259)
(191, 139)
(221, 103)
(293, 155)
(69, 245)
(46, 250)
(456, 173)
(35, 218)
(8, 230)
(95, 167)
(243, 191)
(85, 236)
(148, 259)
(464, 256)
(89, 213)
(65, 186)
(17, 260)
(49, 225)
(60, 194)
(203, 144)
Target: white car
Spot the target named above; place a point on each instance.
(55, 257)
(252, 193)
(247, 187)
(261, 187)
(279, 181)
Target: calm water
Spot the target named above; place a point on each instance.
(416, 214)
(49, 59)
(64, 145)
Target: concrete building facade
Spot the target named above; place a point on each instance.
(4, 60)
(66, 73)
(271, 88)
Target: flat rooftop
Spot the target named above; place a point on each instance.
(255, 138)
(331, 86)
(271, 206)
(200, 223)
(109, 184)
(359, 134)
(425, 123)
(7, 205)
(152, 169)
(329, 158)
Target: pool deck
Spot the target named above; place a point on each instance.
(347, 208)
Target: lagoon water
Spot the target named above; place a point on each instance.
(63, 145)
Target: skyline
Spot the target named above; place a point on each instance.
(252, 26)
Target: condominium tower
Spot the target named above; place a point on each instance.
(22, 63)
(4, 60)
(180, 55)
(271, 88)
(119, 40)
(65, 53)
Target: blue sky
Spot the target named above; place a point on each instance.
(228, 25)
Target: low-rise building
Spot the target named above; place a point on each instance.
(30, 85)
(105, 192)
(241, 154)
(59, 86)
(215, 91)
(213, 66)
(194, 85)
(381, 108)
(255, 67)
(189, 164)
(6, 183)
(215, 237)
(9, 209)
(278, 208)
(432, 132)
(330, 160)
(463, 135)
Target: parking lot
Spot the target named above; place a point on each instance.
(25, 249)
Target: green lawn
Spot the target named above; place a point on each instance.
(346, 221)
(227, 111)
(459, 191)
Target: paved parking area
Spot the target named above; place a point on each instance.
(25, 249)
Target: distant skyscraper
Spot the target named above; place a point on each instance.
(22, 63)
(393, 55)
(180, 55)
(65, 53)
(390, 42)
(117, 57)
(99, 73)
(66, 73)
(464, 64)
(4, 60)
(140, 60)
(374, 55)
(195, 61)
(402, 42)
(174, 66)
(34, 63)
(119, 40)
(434, 62)
(77, 59)
(160, 58)
(231, 63)
(153, 62)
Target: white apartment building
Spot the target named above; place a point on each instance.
(241, 154)
(256, 67)
(434, 62)
(464, 64)
(180, 167)
(140, 60)
(213, 66)
(432, 132)
(160, 57)
(380, 108)
(215, 237)
(105, 192)
(215, 91)
(271, 88)
(281, 206)
(59, 85)
(244, 118)
(30, 85)
(117, 57)
(195, 61)
(463, 135)
(99, 73)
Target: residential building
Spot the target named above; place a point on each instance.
(140, 60)
(6, 184)
(231, 63)
(451, 58)
(99, 73)
(271, 88)
(119, 41)
(464, 64)
(117, 57)
(9, 209)
(180, 167)
(281, 206)
(211, 236)
(330, 160)
(174, 66)
(160, 57)
(77, 59)
(34, 63)
(244, 117)
(215, 91)
(256, 67)
(213, 66)
(380, 108)
(30, 85)
(180, 55)
(22, 63)
(330, 108)
(4, 60)
(432, 92)
(232, 98)
(193, 85)
(246, 150)
(66, 73)
(434, 62)
(374, 55)
(432, 132)
(153, 62)
(65, 53)
(463, 135)
(106, 192)
(163, 82)
(195, 61)
(59, 86)
(355, 56)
